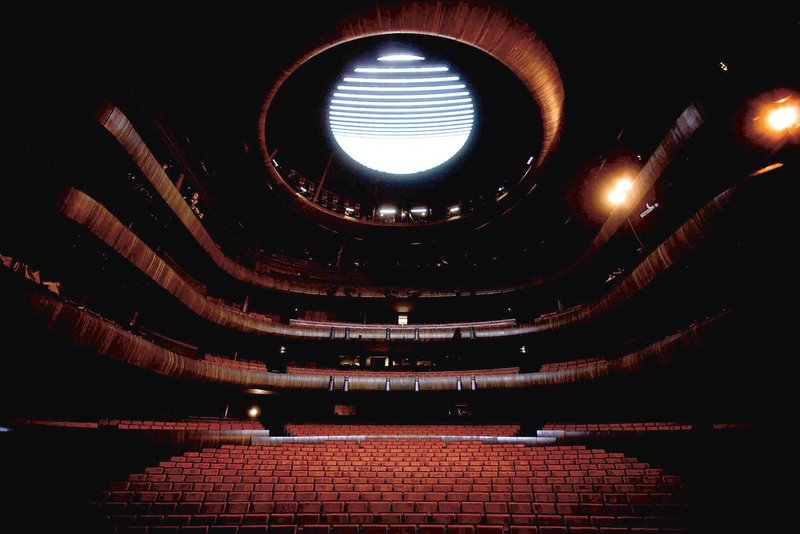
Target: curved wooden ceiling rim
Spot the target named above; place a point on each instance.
(482, 25)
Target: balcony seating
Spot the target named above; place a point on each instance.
(466, 373)
(615, 427)
(414, 332)
(572, 364)
(400, 430)
(496, 323)
(204, 423)
(65, 424)
(236, 364)
(397, 486)
(198, 423)
(85, 211)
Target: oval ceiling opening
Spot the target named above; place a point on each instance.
(401, 113)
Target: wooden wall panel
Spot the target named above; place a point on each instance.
(683, 129)
(89, 331)
(86, 211)
(118, 125)
(115, 121)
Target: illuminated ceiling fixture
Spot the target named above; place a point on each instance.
(394, 105)
(401, 57)
(774, 119)
(404, 115)
(783, 117)
(624, 184)
(617, 195)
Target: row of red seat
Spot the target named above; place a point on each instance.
(237, 364)
(384, 486)
(572, 364)
(617, 427)
(495, 323)
(129, 424)
(394, 529)
(464, 374)
(189, 424)
(67, 424)
(400, 430)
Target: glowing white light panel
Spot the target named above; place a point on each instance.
(402, 115)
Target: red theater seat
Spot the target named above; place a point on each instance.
(374, 486)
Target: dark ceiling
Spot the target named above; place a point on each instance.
(628, 68)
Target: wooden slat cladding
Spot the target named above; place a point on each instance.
(84, 210)
(89, 331)
(485, 26)
(113, 120)
(691, 234)
(87, 212)
(683, 129)
(118, 125)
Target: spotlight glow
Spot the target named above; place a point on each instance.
(401, 119)
(624, 184)
(616, 196)
(783, 118)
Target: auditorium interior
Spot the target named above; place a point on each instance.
(399, 267)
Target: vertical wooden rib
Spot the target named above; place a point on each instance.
(89, 331)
